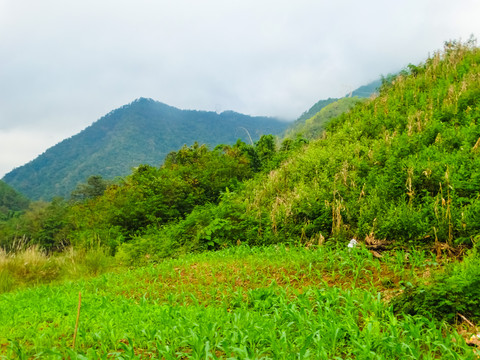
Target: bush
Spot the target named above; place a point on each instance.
(27, 266)
(457, 291)
(150, 247)
(95, 261)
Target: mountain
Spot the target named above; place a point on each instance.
(313, 127)
(319, 105)
(142, 132)
(311, 123)
(401, 169)
(367, 90)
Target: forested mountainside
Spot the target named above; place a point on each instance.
(142, 132)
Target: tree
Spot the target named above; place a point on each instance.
(94, 187)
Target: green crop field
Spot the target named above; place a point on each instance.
(239, 303)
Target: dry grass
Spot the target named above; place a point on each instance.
(32, 266)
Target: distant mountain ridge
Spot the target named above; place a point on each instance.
(364, 91)
(142, 132)
(314, 126)
(312, 122)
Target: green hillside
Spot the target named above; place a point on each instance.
(402, 167)
(313, 127)
(246, 250)
(319, 105)
(312, 122)
(142, 132)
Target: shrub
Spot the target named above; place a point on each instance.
(457, 291)
(95, 261)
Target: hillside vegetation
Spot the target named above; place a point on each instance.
(313, 127)
(364, 91)
(399, 173)
(142, 132)
(401, 168)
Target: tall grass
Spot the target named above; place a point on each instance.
(32, 266)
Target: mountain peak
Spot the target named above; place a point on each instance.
(141, 132)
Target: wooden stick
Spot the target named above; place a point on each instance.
(466, 320)
(78, 318)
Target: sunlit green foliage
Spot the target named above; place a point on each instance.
(239, 303)
(454, 292)
(403, 166)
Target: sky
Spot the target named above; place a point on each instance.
(64, 64)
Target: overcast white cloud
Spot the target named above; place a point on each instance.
(64, 64)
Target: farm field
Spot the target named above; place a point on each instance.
(273, 302)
